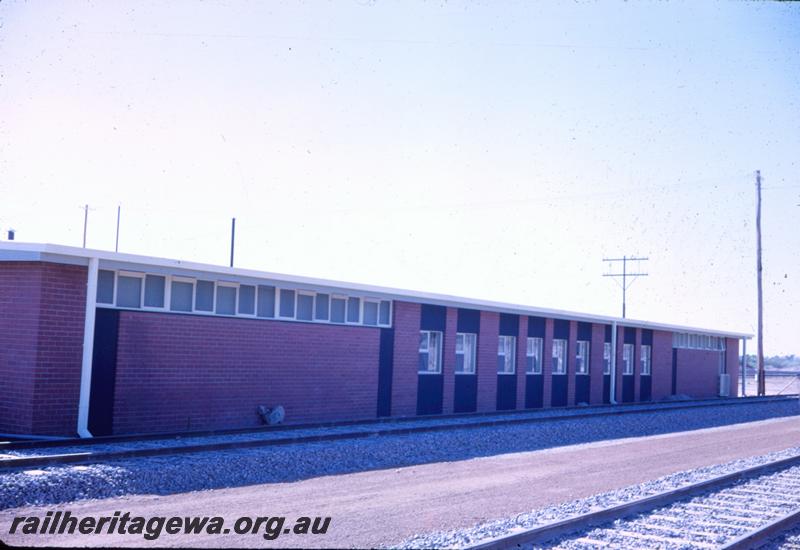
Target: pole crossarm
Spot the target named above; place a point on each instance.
(625, 275)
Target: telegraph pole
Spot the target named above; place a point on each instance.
(233, 237)
(625, 275)
(116, 242)
(85, 222)
(760, 357)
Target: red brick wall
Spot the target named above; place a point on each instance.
(41, 345)
(662, 365)
(596, 364)
(185, 372)
(547, 364)
(20, 286)
(449, 361)
(698, 372)
(406, 358)
(487, 361)
(572, 352)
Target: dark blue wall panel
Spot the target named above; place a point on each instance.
(534, 391)
(606, 389)
(645, 388)
(466, 393)
(506, 392)
(509, 324)
(582, 389)
(647, 337)
(385, 366)
(585, 331)
(536, 327)
(469, 320)
(674, 371)
(433, 318)
(608, 334)
(104, 372)
(559, 393)
(429, 393)
(627, 389)
(630, 335)
(560, 329)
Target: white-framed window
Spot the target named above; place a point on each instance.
(607, 358)
(286, 298)
(466, 352)
(265, 306)
(582, 357)
(645, 360)
(533, 355)
(685, 340)
(559, 356)
(225, 303)
(204, 296)
(627, 359)
(247, 300)
(153, 291)
(370, 315)
(506, 355)
(430, 352)
(353, 310)
(338, 309)
(305, 306)
(181, 294)
(129, 289)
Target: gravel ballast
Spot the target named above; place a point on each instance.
(499, 527)
(231, 468)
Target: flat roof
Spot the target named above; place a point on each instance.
(19, 251)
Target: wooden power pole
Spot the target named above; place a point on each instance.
(760, 357)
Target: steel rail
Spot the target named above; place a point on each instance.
(584, 522)
(593, 410)
(764, 534)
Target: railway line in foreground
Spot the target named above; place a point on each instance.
(735, 511)
(39, 454)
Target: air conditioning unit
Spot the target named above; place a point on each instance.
(724, 385)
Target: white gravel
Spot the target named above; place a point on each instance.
(231, 468)
(499, 527)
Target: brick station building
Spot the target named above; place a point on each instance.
(97, 343)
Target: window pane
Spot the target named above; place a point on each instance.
(226, 300)
(305, 307)
(129, 291)
(337, 310)
(181, 296)
(247, 299)
(423, 341)
(459, 343)
(266, 301)
(353, 305)
(287, 303)
(323, 301)
(370, 313)
(384, 313)
(460, 363)
(204, 296)
(434, 354)
(154, 290)
(105, 286)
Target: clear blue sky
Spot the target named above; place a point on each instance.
(494, 150)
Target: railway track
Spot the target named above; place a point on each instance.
(735, 511)
(37, 454)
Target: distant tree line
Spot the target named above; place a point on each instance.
(777, 362)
